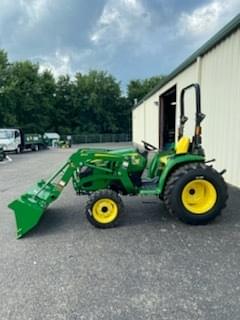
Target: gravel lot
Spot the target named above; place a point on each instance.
(150, 267)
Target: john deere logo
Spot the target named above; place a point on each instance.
(135, 160)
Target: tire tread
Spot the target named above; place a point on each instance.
(104, 193)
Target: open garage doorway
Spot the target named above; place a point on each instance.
(167, 118)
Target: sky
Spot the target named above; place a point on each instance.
(131, 39)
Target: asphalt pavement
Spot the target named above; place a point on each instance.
(151, 267)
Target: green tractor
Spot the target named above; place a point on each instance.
(190, 188)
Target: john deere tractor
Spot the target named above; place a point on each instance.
(190, 188)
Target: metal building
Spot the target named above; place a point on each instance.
(216, 67)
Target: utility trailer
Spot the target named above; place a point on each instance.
(15, 140)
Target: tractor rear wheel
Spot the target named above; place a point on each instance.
(104, 209)
(195, 193)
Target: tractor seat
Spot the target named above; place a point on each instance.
(182, 146)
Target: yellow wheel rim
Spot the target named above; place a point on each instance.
(105, 210)
(199, 196)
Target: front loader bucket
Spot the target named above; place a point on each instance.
(30, 206)
(27, 215)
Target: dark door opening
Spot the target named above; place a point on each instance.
(167, 118)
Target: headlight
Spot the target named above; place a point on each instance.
(3, 146)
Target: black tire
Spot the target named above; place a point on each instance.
(35, 147)
(18, 150)
(190, 173)
(94, 198)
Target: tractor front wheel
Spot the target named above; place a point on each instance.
(195, 193)
(104, 209)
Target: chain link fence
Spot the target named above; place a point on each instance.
(100, 138)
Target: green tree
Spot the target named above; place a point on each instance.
(137, 89)
(62, 119)
(5, 112)
(96, 97)
(123, 115)
(47, 100)
(88, 103)
(23, 93)
(27, 97)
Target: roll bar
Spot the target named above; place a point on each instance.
(199, 116)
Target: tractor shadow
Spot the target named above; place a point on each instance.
(138, 211)
(59, 220)
(146, 212)
(66, 219)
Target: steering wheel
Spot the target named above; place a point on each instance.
(148, 146)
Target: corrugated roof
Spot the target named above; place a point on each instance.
(212, 42)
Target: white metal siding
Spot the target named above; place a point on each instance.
(152, 121)
(138, 123)
(145, 120)
(218, 72)
(220, 84)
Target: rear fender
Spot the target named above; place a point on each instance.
(172, 164)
